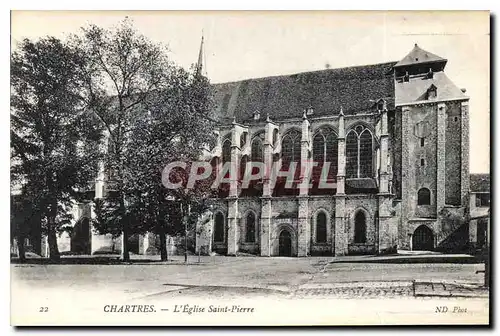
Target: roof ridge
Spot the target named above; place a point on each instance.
(307, 72)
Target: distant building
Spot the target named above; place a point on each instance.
(479, 210)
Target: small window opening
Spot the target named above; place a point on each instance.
(406, 77)
(256, 115)
(430, 74)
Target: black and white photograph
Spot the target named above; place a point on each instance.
(250, 168)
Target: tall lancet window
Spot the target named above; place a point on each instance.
(226, 158)
(351, 149)
(325, 150)
(321, 230)
(256, 155)
(257, 149)
(290, 148)
(290, 153)
(219, 229)
(226, 151)
(359, 153)
(250, 228)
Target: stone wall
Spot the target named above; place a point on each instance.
(367, 204)
(395, 128)
(423, 123)
(327, 205)
(245, 207)
(450, 219)
(453, 162)
(388, 212)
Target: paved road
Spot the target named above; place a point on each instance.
(279, 289)
(244, 276)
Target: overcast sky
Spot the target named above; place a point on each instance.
(241, 45)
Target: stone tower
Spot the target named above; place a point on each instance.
(431, 168)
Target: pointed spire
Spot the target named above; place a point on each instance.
(341, 111)
(199, 65)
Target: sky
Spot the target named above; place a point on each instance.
(241, 45)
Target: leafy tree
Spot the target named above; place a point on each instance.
(54, 141)
(175, 126)
(153, 112)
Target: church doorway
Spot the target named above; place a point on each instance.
(423, 239)
(285, 244)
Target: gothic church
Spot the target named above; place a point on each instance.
(395, 135)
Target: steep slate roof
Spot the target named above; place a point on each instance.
(355, 89)
(416, 89)
(480, 182)
(419, 56)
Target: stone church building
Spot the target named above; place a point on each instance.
(390, 139)
(396, 135)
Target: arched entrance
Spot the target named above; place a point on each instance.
(423, 239)
(285, 244)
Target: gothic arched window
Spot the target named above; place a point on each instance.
(226, 151)
(424, 196)
(325, 150)
(351, 149)
(219, 234)
(321, 232)
(360, 227)
(250, 228)
(359, 153)
(290, 147)
(365, 154)
(257, 154)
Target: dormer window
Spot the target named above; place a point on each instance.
(432, 92)
(430, 74)
(406, 77)
(256, 115)
(381, 106)
(309, 110)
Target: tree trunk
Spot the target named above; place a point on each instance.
(186, 234)
(51, 233)
(20, 248)
(160, 219)
(125, 255)
(163, 242)
(52, 240)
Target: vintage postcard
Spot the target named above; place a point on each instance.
(250, 168)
